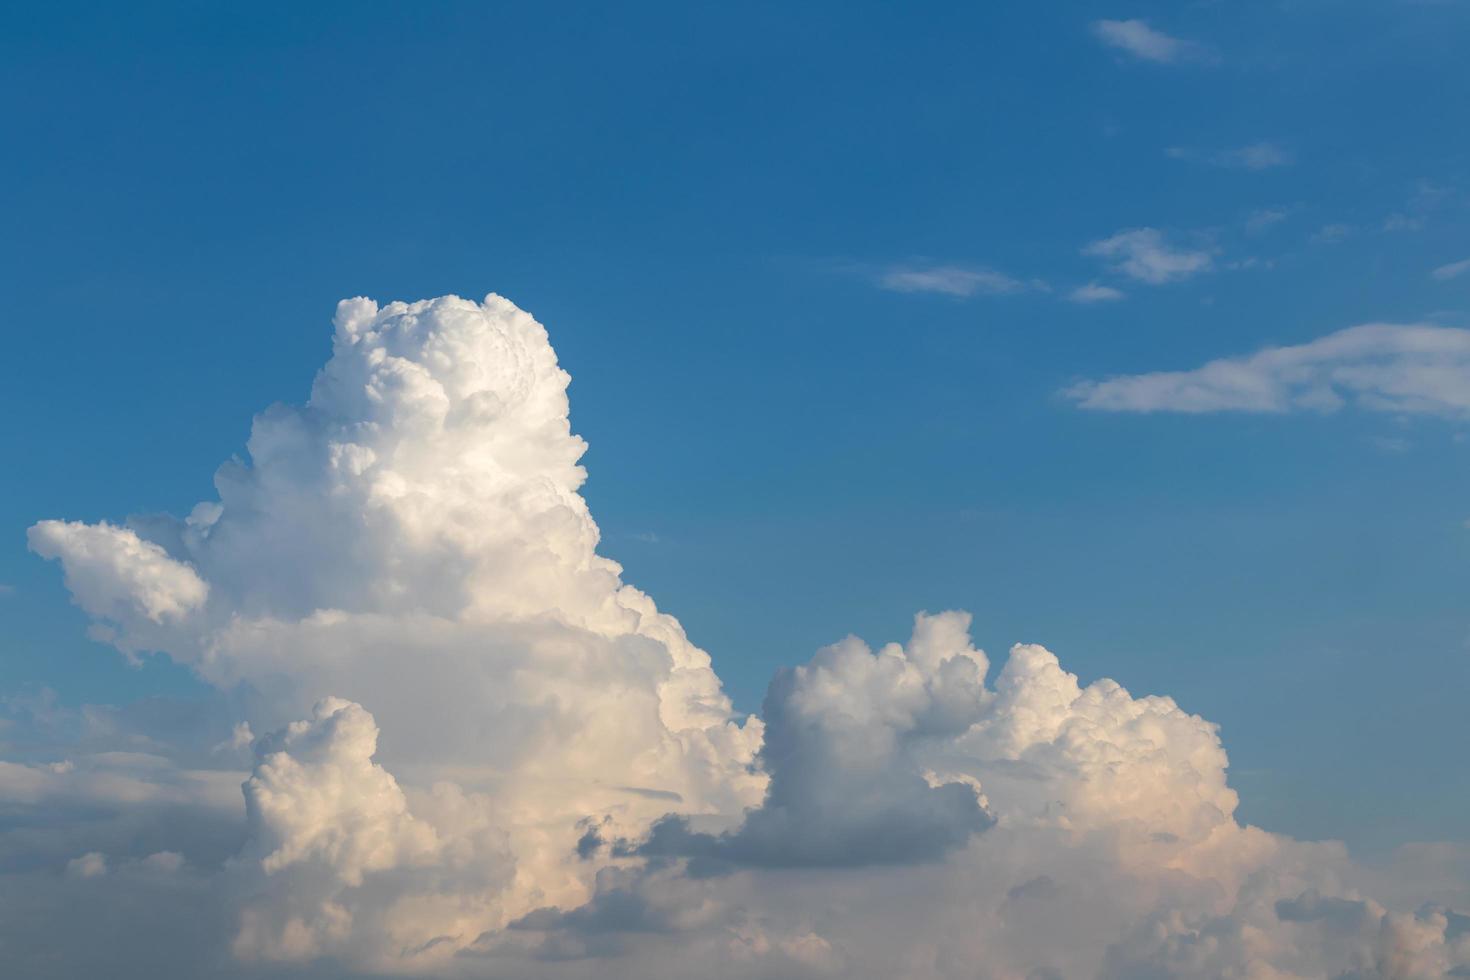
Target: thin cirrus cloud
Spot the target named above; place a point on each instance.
(1411, 369)
(952, 280)
(1146, 255)
(1451, 270)
(1262, 155)
(1138, 40)
(1427, 199)
(562, 788)
(1333, 234)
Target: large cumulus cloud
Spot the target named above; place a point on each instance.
(481, 753)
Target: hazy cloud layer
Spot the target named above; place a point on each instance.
(482, 754)
(1410, 369)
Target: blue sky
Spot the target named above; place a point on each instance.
(813, 274)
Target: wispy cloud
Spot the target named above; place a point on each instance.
(1332, 234)
(1452, 270)
(1144, 254)
(1427, 198)
(1262, 219)
(1261, 155)
(1095, 293)
(952, 280)
(1136, 38)
(1390, 444)
(1409, 369)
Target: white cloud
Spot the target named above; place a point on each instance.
(1144, 254)
(1095, 293)
(1451, 270)
(1137, 38)
(1409, 369)
(413, 542)
(322, 816)
(950, 280)
(113, 573)
(316, 795)
(487, 755)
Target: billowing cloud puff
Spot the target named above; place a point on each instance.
(485, 755)
(845, 739)
(317, 796)
(114, 574)
(323, 817)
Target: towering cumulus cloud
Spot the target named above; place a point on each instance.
(484, 754)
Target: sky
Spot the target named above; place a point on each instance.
(1139, 333)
